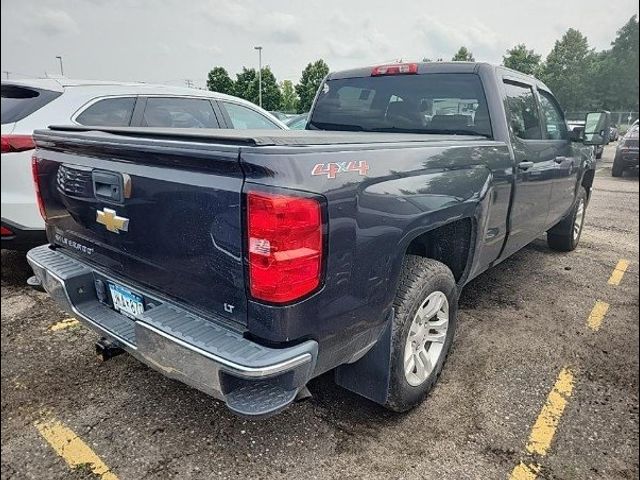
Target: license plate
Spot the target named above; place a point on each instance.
(125, 301)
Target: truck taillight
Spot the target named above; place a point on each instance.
(36, 184)
(17, 143)
(285, 246)
(395, 69)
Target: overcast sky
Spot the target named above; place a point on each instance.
(169, 41)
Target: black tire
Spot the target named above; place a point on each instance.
(618, 167)
(562, 237)
(599, 154)
(420, 277)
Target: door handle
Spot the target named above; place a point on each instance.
(525, 165)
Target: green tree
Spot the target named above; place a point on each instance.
(463, 55)
(247, 87)
(246, 84)
(271, 95)
(289, 97)
(312, 76)
(617, 70)
(569, 71)
(218, 80)
(523, 60)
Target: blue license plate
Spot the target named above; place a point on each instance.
(125, 301)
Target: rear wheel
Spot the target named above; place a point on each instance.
(426, 308)
(565, 236)
(618, 167)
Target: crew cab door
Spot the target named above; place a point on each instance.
(535, 166)
(563, 192)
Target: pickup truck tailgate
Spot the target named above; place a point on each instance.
(165, 215)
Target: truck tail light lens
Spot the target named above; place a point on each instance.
(6, 232)
(36, 184)
(395, 69)
(17, 143)
(285, 246)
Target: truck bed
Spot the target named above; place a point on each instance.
(262, 138)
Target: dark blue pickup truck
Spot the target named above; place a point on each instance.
(245, 263)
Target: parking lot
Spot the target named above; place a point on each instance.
(539, 319)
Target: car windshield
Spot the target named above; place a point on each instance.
(429, 103)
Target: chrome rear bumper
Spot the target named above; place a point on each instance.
(252, 379)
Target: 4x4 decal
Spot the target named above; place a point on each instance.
(332, 169)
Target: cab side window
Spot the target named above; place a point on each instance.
(522, 110)
(555, 126)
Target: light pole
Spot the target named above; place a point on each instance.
(259, 49)
(61, 69)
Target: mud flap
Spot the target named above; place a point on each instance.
(369, 376)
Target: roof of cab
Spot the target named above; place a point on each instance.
(423, 67)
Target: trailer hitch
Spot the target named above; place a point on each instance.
(106, 350)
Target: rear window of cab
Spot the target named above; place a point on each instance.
(426, 103)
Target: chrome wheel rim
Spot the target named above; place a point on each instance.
(425, 341)
(577, 226)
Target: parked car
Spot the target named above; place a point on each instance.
(32, 104)
(626, 153)
(299, 122)
(577, 127)
(260, 260)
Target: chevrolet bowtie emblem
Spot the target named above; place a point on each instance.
(110, 219)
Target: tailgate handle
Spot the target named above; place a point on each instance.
(108, 186)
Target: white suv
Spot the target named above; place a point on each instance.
(33, 104)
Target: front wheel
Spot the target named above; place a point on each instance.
(565, 236)
(426, 308)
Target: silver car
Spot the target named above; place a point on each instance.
(33, 104)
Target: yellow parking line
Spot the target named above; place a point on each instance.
(66, 323)
(545, 427)
(597, 315)
(618, 272)
(72, 449)
(525, 471)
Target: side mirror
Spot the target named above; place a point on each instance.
(597, 128)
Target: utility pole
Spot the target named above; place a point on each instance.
(6, 73)
(59, 57)
(188, 83)
(259, 49)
